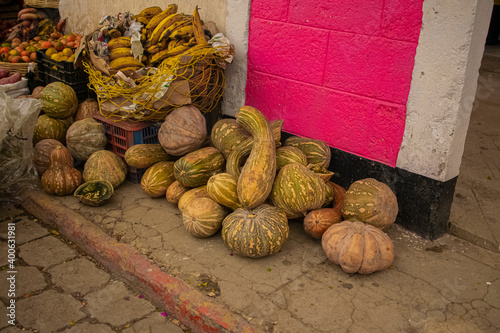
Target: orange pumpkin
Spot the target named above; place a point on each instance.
(61, 178)
(318, 221)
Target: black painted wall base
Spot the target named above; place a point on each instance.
(424, 203)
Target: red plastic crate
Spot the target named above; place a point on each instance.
(124, 134)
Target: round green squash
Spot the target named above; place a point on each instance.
(50, 128)
(226, 135)
(222, 188)
(255, 233)
(145, 155)
(287, 155)
(105, 165)
(203, 217)
(58, 100)
(94, 192)
(370, 201)
(85, 137)
(158, 178)
(316, 151)
(196, 168)
(297, 190)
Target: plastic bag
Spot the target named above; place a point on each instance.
(16, 89)
(17, 123)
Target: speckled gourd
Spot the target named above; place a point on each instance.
(226, 135)
(59, 100)
(297, 190)
(51, 128)
(316, 151)
(41, 154)
(257, 232)
(237, 157)
(288, 155)
(257, 175)
(175, 192)
(61, 178)
(191, 194)
(370, 201)
(358, 247)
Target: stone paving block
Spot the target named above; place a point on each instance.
(27, 230)
(89, 328)
(155, 323)
(3, 313)
(78, 276)
(13, 329)
(9, 212)
(45, 252)
(116, 305)
(3, 254)
(28, 280)
(49, 311)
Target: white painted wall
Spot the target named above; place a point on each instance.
(443, 87)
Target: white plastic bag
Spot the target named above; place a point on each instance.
(16, 89)
(17, 122)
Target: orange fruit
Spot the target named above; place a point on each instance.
(71, 38)
(25, 53)
(25, 58)
(33, 56)
(59, 46)
(15, 59)
(46, 45)
(16, 41)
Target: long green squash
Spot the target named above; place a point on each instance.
(238, 155)
(257, 176)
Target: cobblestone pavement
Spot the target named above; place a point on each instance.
(51, 285)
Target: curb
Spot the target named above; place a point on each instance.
(165, 291)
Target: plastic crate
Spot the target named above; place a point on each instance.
(134, 175)
(124, 134)
(63, 71)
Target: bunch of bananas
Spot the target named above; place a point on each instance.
(167, 33)
(120, 56)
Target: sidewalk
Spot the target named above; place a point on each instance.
(448, 285)
(59, 288)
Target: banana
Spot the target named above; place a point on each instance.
(177, 25)
(166, 53)
(184, 32)
(149, 13)
(130, 68)
(142, 20)
(199, 34)
(154, 49)
(115, 33)
(155, 20)
(164, 25)
(119, 42)
(123, 62)
(119, 52)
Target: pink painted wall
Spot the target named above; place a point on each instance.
(335, 70)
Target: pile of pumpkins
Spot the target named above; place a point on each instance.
(239, 179)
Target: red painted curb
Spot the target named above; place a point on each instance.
(188, 305)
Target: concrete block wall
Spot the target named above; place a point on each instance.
(335, 70)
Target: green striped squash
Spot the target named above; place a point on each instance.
(59, 100)
(370, 201)
(297, 190)
(238, 156)
(222, 188)
(158, 178)
(226, 135)
(287, 155)
(175, 192)
(191, 194)
(194, 169)
(257, 175)
(257, 232)
(105, 165)
(321, 171)
(329, 194)
(203, 217)
(316, 151)
(50, 128)
(145, 155)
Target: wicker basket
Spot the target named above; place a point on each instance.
(18, 68)
(42, 3)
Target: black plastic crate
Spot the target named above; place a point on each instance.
(63, 71)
